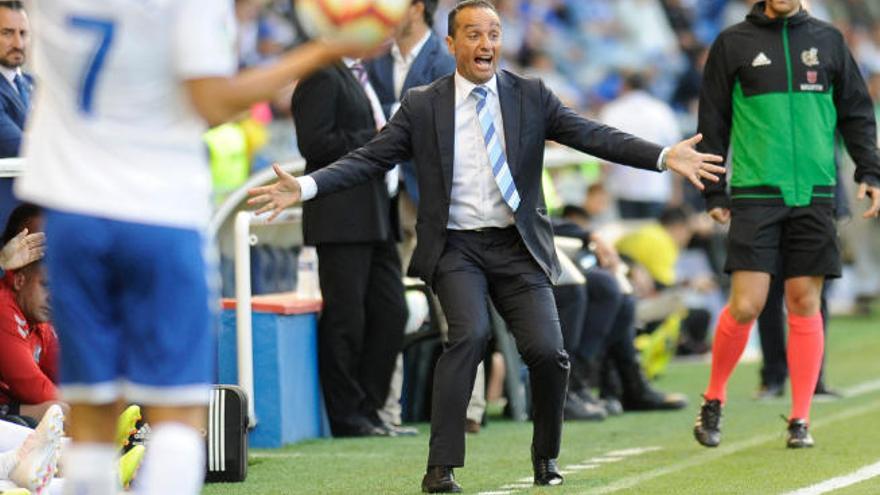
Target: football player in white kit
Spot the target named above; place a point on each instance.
(114, 154)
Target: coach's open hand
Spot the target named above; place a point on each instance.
(687, 162)
(276, 197)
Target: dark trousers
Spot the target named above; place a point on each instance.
(771, 329)
(476, 266)
(605, 304)
(360, 331)
(571, 304)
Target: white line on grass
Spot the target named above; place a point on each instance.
(631, 452)
(862, 388)
(518, 486)
(606, 459)
(839, 482)
(711, 455)
(593, 463)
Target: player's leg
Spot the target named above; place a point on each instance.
(168, 315)
(747, 295)
(811, 253)
(78, 252)
(752, 250)
(806, 343)
(175, 459)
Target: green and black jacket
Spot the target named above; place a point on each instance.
(774, 93)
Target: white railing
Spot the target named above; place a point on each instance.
(244, 239)
(11, 167)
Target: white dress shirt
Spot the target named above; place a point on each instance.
(475, 201)
(9, 75)
(402, 65)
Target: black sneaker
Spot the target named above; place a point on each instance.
(707, 429)
(798, 434)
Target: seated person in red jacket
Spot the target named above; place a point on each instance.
(28, 345)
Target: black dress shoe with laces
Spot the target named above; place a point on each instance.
(546, 471)
(798, 434)
(439, 479)
(707, 429)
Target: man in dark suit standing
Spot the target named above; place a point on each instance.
(360, 331)
(417, 57)
(15, 90)
(477, 141)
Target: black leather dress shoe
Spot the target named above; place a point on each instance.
(439, 479)
(546, 471)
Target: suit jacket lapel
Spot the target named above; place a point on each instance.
(384, 67)
(444, 123)
(10, 92)
(420, 64)
(510, 96)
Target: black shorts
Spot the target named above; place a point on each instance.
(803, 238)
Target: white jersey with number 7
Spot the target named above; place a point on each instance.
(113, 133)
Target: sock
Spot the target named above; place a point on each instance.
(729, 343)
(174, 463)
(90, 468)
(806, 343)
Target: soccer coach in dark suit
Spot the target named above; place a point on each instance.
(481, 234)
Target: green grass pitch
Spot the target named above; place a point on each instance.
(751, 460)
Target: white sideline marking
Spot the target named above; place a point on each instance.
(712, 454)
(604, 459)
(593, 463)
(839, 482)
(862, 388)
(630, 452)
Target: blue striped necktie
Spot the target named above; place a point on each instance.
(24, 90)
(497, 158)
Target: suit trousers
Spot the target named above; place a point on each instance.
(360, 331)
(478, 266)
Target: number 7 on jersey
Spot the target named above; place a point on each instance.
(104, 30)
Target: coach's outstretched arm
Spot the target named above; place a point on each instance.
(391, 146)
(219, 99)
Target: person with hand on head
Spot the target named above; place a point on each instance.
(476, 138)
(777, 89)
(28, 344)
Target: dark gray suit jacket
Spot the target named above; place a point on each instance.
(424, 130)
(333, 116)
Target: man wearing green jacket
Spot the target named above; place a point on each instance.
(776, 89)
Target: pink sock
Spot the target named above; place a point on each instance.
(731, 337)
(806, 343)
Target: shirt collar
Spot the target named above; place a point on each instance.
(9, 74)
(463, 87)
(350, 62)
(398, 57)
